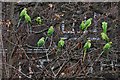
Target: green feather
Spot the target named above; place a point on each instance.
(50, 31)
(41, 42)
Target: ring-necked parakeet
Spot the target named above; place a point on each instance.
(61, 43)
(88, 23)
(107, 46)
(82, 26)
(27, 18)
(41, 42)
(50, 31)
(104, 27)
(85, 24)
(104, 37)
(23, 12)
(39, 20)
(86, 47)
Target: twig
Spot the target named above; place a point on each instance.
(35, 32)
(79, 39)
(49, 48)
(96, 60)
(61, 68)
(74, 64)
(24, 52)
(35, 8)
(17, 70)
(20, 46)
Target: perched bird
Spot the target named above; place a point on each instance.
(23, 12)
(61, 43)
(104, 37)
(41, 42)
(50, 31)
(104, 27)
(39, 20)
(27, 18)
(85, 24)
(107, 46)
(86, 47)
(88, 23)
(82, 26)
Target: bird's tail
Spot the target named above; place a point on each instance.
(84, 55)
(46, 38)
(30, 28)
(15, 28)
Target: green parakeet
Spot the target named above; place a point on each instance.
(39, 20)
(23, 12)
(27, 18)
(86, 47)
(41, 42)
(104, 27)
(61, 43)
(82, 26)
(88, 23)
(107, 46)
(85, 24)
(104, 37)
(50, 31)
